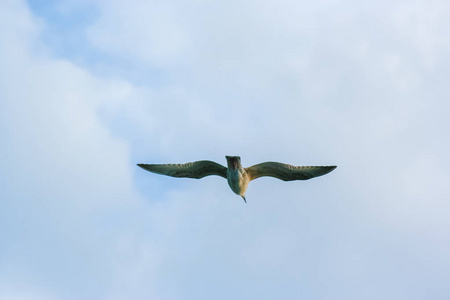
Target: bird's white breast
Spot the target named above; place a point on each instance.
(237, 180)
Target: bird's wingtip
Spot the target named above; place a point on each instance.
(331, 168)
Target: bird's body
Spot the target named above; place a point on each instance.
(237, 176)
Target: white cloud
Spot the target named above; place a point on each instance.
(66, 182)
(424, 27)
(159, 39)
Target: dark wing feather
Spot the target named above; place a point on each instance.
(198, 169)
(287, 172)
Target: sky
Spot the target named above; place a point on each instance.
(90, 88)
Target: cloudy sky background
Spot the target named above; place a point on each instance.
(90, 88)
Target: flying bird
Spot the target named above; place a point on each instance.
(237, 176)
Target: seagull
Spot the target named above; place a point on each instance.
(237, 176)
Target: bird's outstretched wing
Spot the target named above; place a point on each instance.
(198, 169)
(287, 172)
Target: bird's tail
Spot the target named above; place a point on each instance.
(243, 197)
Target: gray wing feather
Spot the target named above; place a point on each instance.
(198, 169)
(287, 172)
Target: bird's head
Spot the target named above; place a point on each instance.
(234, 162)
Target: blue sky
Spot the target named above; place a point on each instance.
(90, 88)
